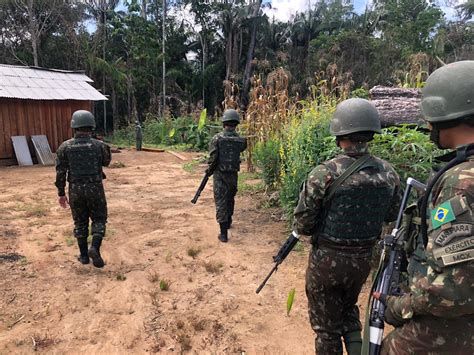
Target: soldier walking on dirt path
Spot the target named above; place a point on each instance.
(138, 136)
(224, 164)
(343, 205)
(80, 161)
(437, 315)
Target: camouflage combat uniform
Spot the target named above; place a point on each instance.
(224, 164)
(343, 232)
(438, 314)
(80, 160)
(138, 136)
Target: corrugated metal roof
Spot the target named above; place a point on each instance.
(46, 84)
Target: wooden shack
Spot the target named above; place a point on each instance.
(38, 101)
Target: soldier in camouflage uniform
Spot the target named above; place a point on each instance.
(437, 315)
(344, 228)
(224, 164)
(80, 161)
(138, 136)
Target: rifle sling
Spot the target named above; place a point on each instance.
(361, 163)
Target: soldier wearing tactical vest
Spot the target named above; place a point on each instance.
(437, 315)
(224, 164)
(79, 161)
(342, 206)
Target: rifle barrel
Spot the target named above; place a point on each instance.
(266, 278)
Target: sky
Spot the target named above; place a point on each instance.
(284, 9)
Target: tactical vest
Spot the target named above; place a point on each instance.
(84, 161)
(229, 153)
(355, 214)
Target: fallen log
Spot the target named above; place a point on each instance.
(397, 105)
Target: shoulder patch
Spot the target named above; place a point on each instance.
(463, 244)
(443, 237)
(457, 258)
(442, 214)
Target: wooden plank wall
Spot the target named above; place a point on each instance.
(33, 117)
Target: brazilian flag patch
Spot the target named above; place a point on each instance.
(442, 214)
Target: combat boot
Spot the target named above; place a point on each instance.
(94, 252)
(223, 234)
(84, 256)
(229, 223)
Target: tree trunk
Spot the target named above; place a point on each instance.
(235, 54)
(228, 56)
(143, 9)
(250, 53)
(114, 108)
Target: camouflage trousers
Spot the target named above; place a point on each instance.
(225, 188)
(432, 335)
(333, 283)
(138, 144)
(88, 201)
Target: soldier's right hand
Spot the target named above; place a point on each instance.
(63, 202)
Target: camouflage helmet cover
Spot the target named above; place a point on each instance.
(231, 115)
(82, 118)
(449, 92)
(354, 115)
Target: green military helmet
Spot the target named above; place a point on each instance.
(449, 92)
(82, 118)
(354, 115)
(231, 115)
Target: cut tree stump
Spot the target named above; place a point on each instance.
(397, 105)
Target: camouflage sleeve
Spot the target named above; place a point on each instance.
(392, 213)
(62, 166)
(244, 145)
(213, 155)
(310, 201)
(106, 154)
(446, 294)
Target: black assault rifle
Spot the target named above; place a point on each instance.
(200, 188)
(388, 274)
(282, 254)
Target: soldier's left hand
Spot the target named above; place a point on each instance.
(63, 202)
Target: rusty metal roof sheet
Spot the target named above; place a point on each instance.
(46, 84)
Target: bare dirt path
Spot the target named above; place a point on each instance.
(51, 303)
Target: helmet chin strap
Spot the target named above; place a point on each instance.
(435, 136)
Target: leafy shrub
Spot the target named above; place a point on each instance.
(409, 150)
(306, 143)
(180, 131)
(360, 92)
(267, 158)
(124, 136)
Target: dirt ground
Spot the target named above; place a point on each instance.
(49, 302)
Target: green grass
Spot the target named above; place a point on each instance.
(246, 187)
(213, 267)
(190, 166)
(193, 252)
(121, 277)
(164, 285)
(70, 241)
